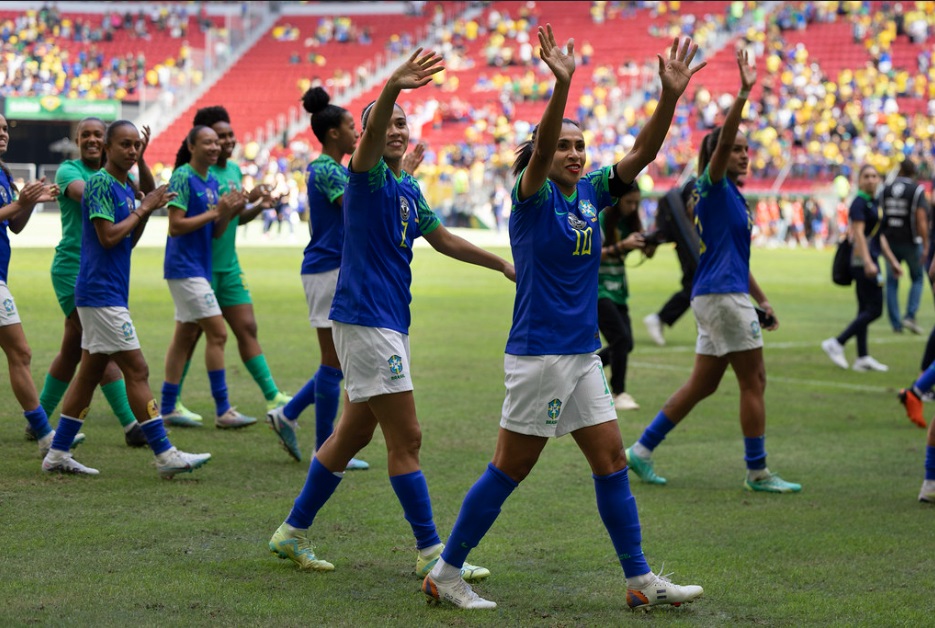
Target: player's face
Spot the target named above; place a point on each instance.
(397, 136)
(4, 135)
(226, 139)
(347, 134)
(868, 180)
(123, 147)
(206, 149)
(569, 158)
(90, 137)
(739, 161)
(630, 203)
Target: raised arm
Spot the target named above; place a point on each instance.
(674, 73)
(717, 168)
(147, 181)
(562, 65)
(415, 72)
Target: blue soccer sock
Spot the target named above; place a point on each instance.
(170, 396)
(38, 421)
(755, 452)
(218, 381)
(930, 462)
(68, 428)
(319, 486)
(155, 432)
(617, 508)
(302, 399)
(413, 494)
(327, 396)
(480, 509)
(926, 380)
(656, 431)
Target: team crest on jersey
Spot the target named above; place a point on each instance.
(396, 367)
(587, 210)
(404, 210)
(5, 197)
(127, 329)
(9, 306)
(212, 197)
(555, 409)
(576, 223)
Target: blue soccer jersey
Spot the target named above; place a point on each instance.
(6, 197)
(383, 215)
(326, 181)
(724, 226)
(104, 274)
(556, 244)
(189, 255)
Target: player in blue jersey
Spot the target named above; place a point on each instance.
(555, 384)
(197, 215)
(384, 212)
(71, 177)
(334, 128)
(112, 225)
(227, 278)
(729, 329)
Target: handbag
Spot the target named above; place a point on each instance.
(841, 267)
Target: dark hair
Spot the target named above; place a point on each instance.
(184, 155)
(209, 116)
(108, 133)
(907, 168)
(524, 150)
(708, 146)
(860, 171)
(369, 108)
(612, 216)
(325, 116)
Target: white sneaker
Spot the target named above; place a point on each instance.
(173, 461)
(45, 443)
(457, 592)
(912, 326)
(62, 462)
(867, 363)
(927, 493)
(662, 591)
(835, 351)
(654, 329)
(624, 401)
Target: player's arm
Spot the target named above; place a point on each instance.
(460, 249)
(20, 211)
(147, 180)
(760, 297)
(862, 249)
(110, 233)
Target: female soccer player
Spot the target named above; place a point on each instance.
(384, 212)
(729, 332)
(71, 177)
(197, 215)
(621, 229)
(868, 243)
(334, 128)
(227, 278)
(555, 384)
(112, 225)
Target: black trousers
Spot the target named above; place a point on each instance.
(869, 309)
(613, 320)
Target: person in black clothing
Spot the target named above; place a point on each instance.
(868, 242)
(905, 225)
(674, 223)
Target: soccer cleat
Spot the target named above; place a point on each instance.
(835, 351)
(624, 402)
(643, 468)
(913, 405)
(182, 417)
(912, 326)
(654, 329)
(457, 592)
(771, 483)
(660, 591)
(471, 573)
(30, 433)
(172, 462)
(927, 492)
(292, 543)
(867, 363)
(62, 462)
(285, 430)
(232, 420)
(278, 401)
(45, 443)
(356, 465)
(135, 437)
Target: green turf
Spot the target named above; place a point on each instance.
(854, 548)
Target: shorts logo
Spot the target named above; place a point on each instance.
(755, 329)
(404, 210)
(9, 306)
(396, 367)
(555, 409)
(587, 210)
(127, 329)
(210, 300)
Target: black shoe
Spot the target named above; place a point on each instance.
(135, 437)
(30, 433)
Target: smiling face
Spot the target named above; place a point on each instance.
(123, 149)
(569, 159)
(90, 138)
(226, 140)
(205, 149)
(397, 137)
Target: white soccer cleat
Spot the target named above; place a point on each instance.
(457, 592)
(927, 493)
(61, 462)
(867, 363)
(835, 351)
(171, 462)
(662, 591)
(654, 329)
(624, 402)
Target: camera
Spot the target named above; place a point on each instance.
(654, 238)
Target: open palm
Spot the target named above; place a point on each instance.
(747, 69)
(562, 63)
(675, 72)
(417, 71)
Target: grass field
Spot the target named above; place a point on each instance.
(126, 548)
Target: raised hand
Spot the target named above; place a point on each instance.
(145, 133)
(232, 203)
(675, 72)
(36, 192)
(747, 70)
(159, 197)
(417, 71)
(413, 158)
(561, 63)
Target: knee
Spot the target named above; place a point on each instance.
(216, 334)
(406, 445)
(137, 371)
(247, 330)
